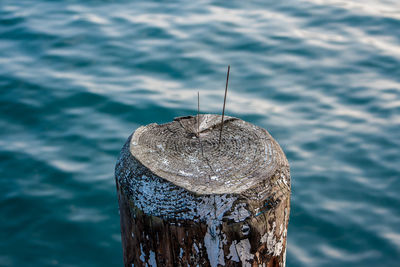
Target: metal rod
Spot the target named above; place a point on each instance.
(223, 109)
(198, 123)
(198, 114)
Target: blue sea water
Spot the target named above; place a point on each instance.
(77, 77)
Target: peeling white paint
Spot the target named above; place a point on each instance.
(240, 213)
(264, 238)
(180, 253)
(274, 246)
(214, 239)
(196, 248)
(142, 254)
(232, 252)
(152, 260)
(243, 250)
(212, 244)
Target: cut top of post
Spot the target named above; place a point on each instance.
(246, 156)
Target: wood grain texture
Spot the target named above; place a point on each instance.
(185, 201)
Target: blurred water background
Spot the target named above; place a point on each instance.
(77, 77)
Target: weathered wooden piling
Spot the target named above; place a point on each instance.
(185, 200)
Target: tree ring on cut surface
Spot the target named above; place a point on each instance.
(197, 162)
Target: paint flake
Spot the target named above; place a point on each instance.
(142, 255)
(243, 249)
(152, 260)
(232, 252)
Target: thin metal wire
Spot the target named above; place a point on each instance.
(198, 122)
(223, 109)
(198, 114)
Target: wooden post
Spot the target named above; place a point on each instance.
(185, 200)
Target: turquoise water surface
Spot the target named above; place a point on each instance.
(77, 77)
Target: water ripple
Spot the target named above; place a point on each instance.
(77, 78)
